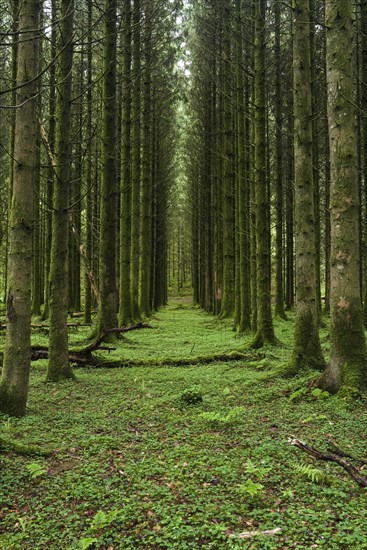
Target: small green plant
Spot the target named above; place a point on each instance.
(320, 394)
(314, 418)
(316, 475)
(251, 488)
(87, 542)
(7, 425)
(258, 471)
(102, 519)
(191, 396)
(298, 394)
(35, 470)
(234, 415)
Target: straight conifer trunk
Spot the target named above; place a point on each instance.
(347, 366)
(136, 160)
(58, 365)
(107, 313)
(146, 174)
(265, 332)
(228, 293)
(17, 356)
(125, 313)
(306, 348)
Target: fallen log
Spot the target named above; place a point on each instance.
(23, 448)
(178, 362)
(335, 457)
(42, 326)
(84, 356)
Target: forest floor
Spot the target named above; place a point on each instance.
(136, 466)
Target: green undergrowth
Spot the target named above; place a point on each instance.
(187, 457)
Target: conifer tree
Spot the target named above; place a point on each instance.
(17, 352)
(58, 364)
(348, 360)
(306, 349)
(107, 311)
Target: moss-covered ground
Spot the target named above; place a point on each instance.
(137, 466)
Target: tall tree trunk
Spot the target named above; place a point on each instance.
(58, 365)
(363, 77)
(306, 347)
(107, 311)
(51, 168)
(146, 183)
(347, 368)
(17, 356)
(243, 203)
(89, 160)
(14, 65)
(227, 303)
(265, 331)
(125, 311)
(136, 161)
(279, 295)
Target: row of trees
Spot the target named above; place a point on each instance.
(88, 105)
(277, 148)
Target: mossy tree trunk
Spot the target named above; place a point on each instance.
(279, 294)
(17, 357)
(348, 361)
(125, 312)
(146, 180)
(227, 303)
(306, 347)
(14, 63)
(107, 310)
(265, 331)
(58, 365)
(50, 169)
(242, 179)
(363, 79)
(136, 162)
(89, 160)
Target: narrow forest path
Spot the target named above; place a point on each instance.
(181, 330)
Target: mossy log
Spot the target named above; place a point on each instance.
(23, 448)
(179, 362)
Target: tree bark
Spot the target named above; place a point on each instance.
(347, 368)
(107, 311)
(16, 366)
(58, 365)
(306, 347)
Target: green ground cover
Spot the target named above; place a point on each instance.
(140, 461)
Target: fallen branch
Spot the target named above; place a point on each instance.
(332, 457)
(337, 450)
(94, 346)
(249, 534)
(84, 357)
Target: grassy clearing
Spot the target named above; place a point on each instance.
(135, 466)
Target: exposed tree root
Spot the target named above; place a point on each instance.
(23, 448)
(337, 456)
